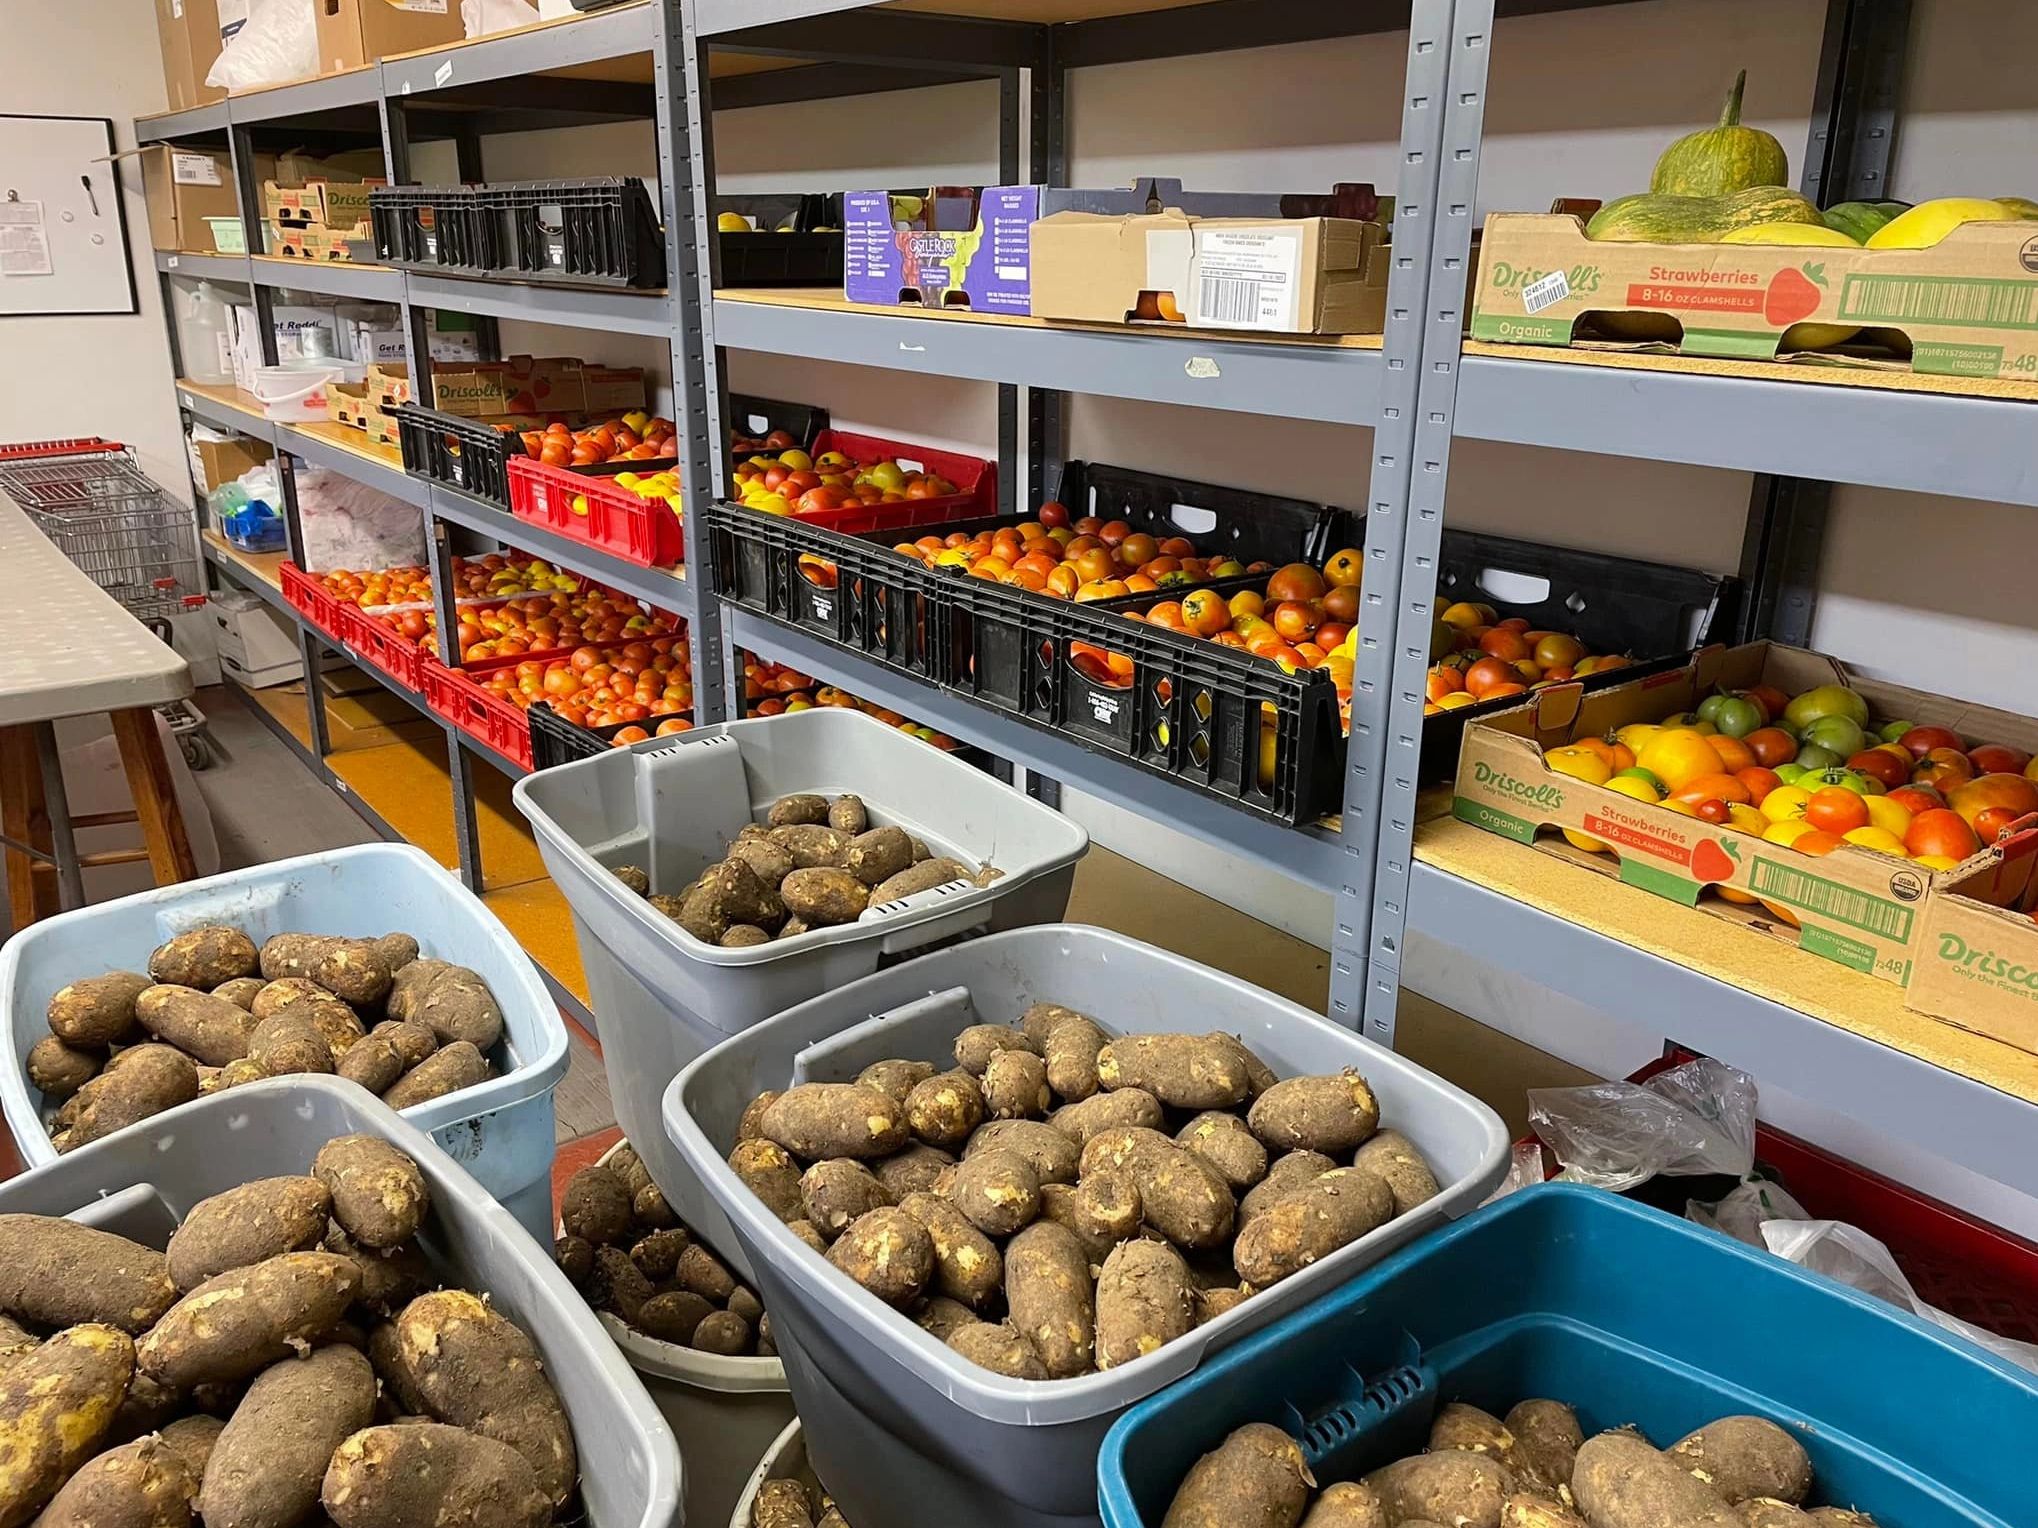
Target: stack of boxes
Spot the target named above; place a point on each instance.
(350, 34)
(316, 220)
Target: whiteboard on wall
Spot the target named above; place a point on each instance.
(63, 226)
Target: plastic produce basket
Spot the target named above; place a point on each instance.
(555, 740)
(467, 454)
(501, 1130)
(809, 255)
(140, 1182)
(436, 228)
(751, 419)
(395, 654)
(458, 696)
(905, 1431)
(587, 505)
(1631, 1316)
(673, 804)
(600, 231)
(309, 598)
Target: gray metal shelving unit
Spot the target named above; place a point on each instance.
(1419, 389)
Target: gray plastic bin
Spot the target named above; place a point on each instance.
(907, 1433)
(672, 805)
(142, 1181)
(785, 1458)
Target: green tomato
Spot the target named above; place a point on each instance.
(1846, 779)
(1791, 773)
(1813, 757)
(1636, 772)
(1827, 700)
(1736, 717)
(1709, 708)
(1893, 732)
(1842, 734)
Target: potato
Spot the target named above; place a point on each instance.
(1744, 1456)
(998, 1347)
(1051, 1155)
(824, 897)
(1058, 1204)
(423, 1472)
(60, 1273)
(1458, 1425)
(788, 810)
(1255, 1478)
(896, 1079)
(744, 1302)
(395, 951)
(673, 1316)
(379, 1195)
(1128, 1107)
(922, 875)
(391, 1280)
(241, 991)
(1226, 1144)
(722, 1331)
(768, 861)
(14, 1336)
(290, 955)
(247, 1225)
(1015, 1085)
(57, 1070)
(1145, 1299)
(1286, 1172)
(706, 1275)
(812, 846)
(194, 1438)
(389, 1051)
(596, 1206)
(334, 1021)
(1546, 1441)
(240, 1322)
(445, 1071)
(457, 1005)
(475, 1368)
(203, 957)
(269, 1463)
(1526, 1509)
(782, 1504)
(1840, 1517)
(913, 1170)
(1180, 1195)
(996, 1191)
(1310, 1223)
(98, 1011)
(944, 1317)
(817, 1120)
(284, 991)
(350, 969)
(636, 877)
(945, 1109)
(967, 1265)
(975, 1046)
(1212, 1303)
(1756, 1512)
(207, 1028)
(669, 906)
(1051, 1299)
(1622, 1482)
(847, 814)
(235, 1073)
(657, 1254)
(284, 1043)
(399, 1385)
(573, 1254)
(1107, 1207)
(837, 1191)
(741, 936)
(888, 1252)
(1071, 1049)
(878, 854)
(57, 1403)
(1392, 1157)
(410, 984)
(619, 1285)
(1182, 1071)
(145, 1484)
(769, 1172)
(1449, 1487)
(1331, 1114)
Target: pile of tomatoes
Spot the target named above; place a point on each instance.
(1081, 559)
(796, 483)
(1479, 657)
(489, 577)
(635, 437)
(599, 686)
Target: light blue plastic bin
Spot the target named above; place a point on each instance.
(140, 1182)
(1631, 1317)
(501, 1130)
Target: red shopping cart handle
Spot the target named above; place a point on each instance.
(83, 445)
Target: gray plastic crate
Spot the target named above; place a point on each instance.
(906, 1432)
(673, 805)
(142, 1181)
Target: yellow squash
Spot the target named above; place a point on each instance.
(1929, 222)
(1800, 336)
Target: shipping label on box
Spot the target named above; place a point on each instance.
(1968, 305)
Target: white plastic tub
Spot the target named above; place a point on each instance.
(785, 1458)
(672, 805)
(295, 393)
(140, 1182)
(500, 1130)
(907, 1433)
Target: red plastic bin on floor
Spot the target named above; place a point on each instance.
(303, 593)
(637, 529)
(478, 711)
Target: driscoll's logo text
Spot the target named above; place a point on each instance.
(1521, 790)
(1957, 951)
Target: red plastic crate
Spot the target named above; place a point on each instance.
(976, 479)
(392, 652)
(636, 529)
(309, 598)
(477, 711)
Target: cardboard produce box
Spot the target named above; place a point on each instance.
(1968, 305)
(1977, 963)
(1279, 275)
(189, 31)
(535, 385)
(223, 461)
(388, 384)
(184, 187)
(1855, 906)
(349, 404)
(352, 33)
(329, 204)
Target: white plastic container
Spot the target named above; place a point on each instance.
(501, 1130)
(672, 805)
(909, 1434)
(296, 392)
(204, 334)
(140, 1182)
(784, 1459)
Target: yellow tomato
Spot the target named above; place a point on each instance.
(1636, 734)
(1937, 861)
(1457, 700)
(1633, 785)
(1788, 831)
(1579, 764)
(1747, 819)
(1879, 839)
(1786, 803)
(1891, 817)
(1677, 756)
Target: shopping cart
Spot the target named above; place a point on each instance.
(128, 536)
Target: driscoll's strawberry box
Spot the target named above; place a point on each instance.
(1977, 956)
(1967, 306)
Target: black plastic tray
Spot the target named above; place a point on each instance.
(803, 257)
(601, 231)
(754, 418)
(468, 454)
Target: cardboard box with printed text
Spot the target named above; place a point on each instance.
(1977, 962)
(184, 187)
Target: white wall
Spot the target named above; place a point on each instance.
(105, 375)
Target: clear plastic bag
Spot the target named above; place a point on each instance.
(1693, 1119)
(1742, 1212)
(279, 43)
(480, 18)
(349, 525)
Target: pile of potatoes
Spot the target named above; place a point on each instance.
(813, 863)
(1062, 1201)
(288, 1355)
(628, 1253)
(1534, 1468)
(790, 1503)
(215, 1011)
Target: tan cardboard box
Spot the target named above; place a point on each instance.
(348, 403)
(222, 461)
(1278, 275)
(184, 187)
(339, 205)
(313, 243)
(611, 389)
(352, 33)
(1854, 906)
(1968, 305)
(388, 384)
(1977, 964)
(189, 33)
(520, 385)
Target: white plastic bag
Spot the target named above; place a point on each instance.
(1693, 1119)
(278, 44)
(479, 18)
(1741, 1213)
(349, 525)
(1854, 1258)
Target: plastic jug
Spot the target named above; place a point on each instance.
(203, 337)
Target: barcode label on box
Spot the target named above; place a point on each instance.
(430, 7)
(1972, 302)
(1245, 279)
(1542, 292)
(194, 169)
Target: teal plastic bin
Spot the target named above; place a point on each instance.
(1631, 1317)
(501, 1130)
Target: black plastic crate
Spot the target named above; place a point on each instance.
(751, 419)
(602, 231)
(809, 255)
(468, 454)
(555, 740)
(436, 228)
